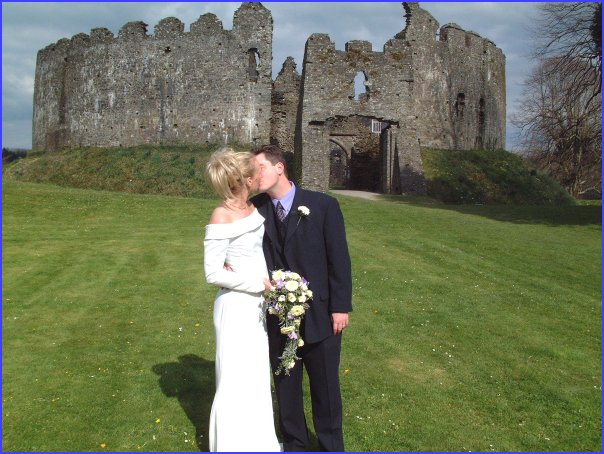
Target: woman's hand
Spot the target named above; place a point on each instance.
(267, 285)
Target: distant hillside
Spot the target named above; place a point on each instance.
(489, 177)
(457, 177)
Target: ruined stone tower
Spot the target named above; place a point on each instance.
(207, 85)
(441, 88)
(428, 87)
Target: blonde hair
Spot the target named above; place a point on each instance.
(227, 170)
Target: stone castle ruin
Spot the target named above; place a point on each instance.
(429, 87)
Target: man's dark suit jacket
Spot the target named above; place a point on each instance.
(315, 247)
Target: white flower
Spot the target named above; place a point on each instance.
(281, 298)
(297, 310)
(309, 293)
(302, 299)
(304, 211)
(291, 298)
(300, 343)
(287, 329)
(278, 275)
(291, 286)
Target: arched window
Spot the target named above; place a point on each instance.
(360, 87)
(253, 64)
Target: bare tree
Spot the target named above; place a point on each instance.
(563, 133)
(560, 113)
(567, 32)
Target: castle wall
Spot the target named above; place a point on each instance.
(459, 84)
(328, 92)
(441, 88)
(284, 106)
(208, 85)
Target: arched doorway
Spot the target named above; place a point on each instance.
(356, 153)
(339, 170)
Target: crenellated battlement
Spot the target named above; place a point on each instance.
(208, 24)
(170, 86)
(167, 28)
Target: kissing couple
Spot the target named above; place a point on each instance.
(284, 227)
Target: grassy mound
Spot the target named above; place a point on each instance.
(454, 177)
(489, 177)
(176, 171)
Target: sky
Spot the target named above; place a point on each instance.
(30, 26)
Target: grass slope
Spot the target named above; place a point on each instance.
(474, 328)
(489, 177)
(456, 177)
(176, 170)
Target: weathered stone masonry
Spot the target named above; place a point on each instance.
(206, 85)
(429, 87)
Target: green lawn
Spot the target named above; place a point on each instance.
(475, 328)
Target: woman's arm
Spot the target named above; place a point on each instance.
(215, 251)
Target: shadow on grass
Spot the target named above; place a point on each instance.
(192, 381)
(519, 214)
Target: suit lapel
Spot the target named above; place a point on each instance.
(294, 216)
(267, 211)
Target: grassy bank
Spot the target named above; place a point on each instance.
(475, 327)
(454, 177)
(489, 177)
(176, 171)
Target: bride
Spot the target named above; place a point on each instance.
(242, 412)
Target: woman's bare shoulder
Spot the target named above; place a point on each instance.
(221, 215)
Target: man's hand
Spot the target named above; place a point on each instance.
(340, 321)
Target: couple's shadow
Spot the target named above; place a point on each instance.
(192, 381)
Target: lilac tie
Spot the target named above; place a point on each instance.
(280, 212)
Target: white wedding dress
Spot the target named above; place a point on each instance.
(242, 413)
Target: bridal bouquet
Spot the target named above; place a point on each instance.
(288, 300)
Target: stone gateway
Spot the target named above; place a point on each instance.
(430, 86)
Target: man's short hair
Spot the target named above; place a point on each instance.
(273, 153)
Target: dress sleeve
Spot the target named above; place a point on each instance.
(215, 251)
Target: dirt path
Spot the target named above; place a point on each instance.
(361, 194)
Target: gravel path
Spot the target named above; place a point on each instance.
(361, 194)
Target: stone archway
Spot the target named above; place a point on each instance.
(356, 153)
(339, 165)
(389, 162)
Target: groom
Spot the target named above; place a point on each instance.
(312, 243)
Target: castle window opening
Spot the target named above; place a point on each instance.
(360, 84)
(376, 126)
(481, 114)
(481, 124)
(253, 64)
(460, 104)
